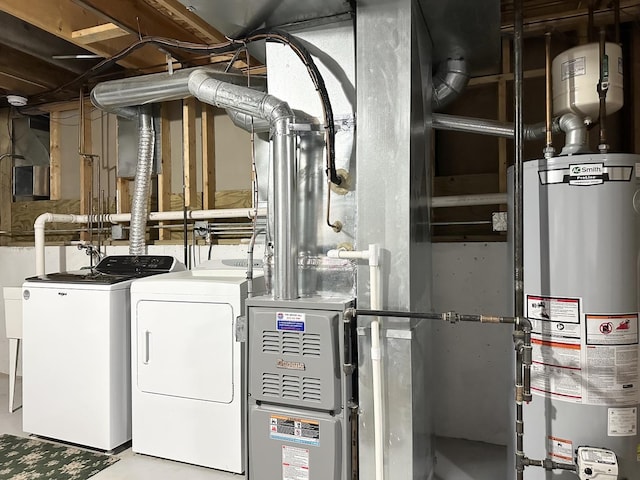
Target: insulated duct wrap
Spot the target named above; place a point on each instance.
(142, 182)
(277, 112)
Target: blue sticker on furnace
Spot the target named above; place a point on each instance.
(290, 325)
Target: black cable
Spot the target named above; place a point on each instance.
(225, 47)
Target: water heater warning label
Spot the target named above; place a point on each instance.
(622, 422)
(295, 463)
(612, 329)
(554, 317)
(560, 450)
(297, 430)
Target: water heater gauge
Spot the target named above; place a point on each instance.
(596, 464)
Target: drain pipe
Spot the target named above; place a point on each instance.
(372, 255)
(142, 183)
(449, 81)
(42, 220)
(208, 89)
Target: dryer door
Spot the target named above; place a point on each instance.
(185, 349)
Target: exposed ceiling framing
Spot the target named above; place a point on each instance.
(39, 39)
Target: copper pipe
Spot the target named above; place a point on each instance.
(549, 151)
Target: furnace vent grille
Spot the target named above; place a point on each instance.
(291, 343)
(292, 387)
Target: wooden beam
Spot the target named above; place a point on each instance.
(189, 151)
(55, 155)
(24, 67)
(6, 195)
(536, 73)
(164, 178)
(189, 20)
(208, 158)
(63, 17)
(99, 33)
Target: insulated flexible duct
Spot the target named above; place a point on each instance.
(142, 182)
(263, 106)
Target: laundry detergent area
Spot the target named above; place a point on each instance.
(374, 240)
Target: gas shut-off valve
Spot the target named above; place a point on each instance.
(596, 464)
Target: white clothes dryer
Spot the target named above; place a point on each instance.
(188, 394)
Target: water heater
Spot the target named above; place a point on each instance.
(581, 295)
(576, 73)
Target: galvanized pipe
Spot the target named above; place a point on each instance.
(494, 128)
(518, 233)
(208, 89)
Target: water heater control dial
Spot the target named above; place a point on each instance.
(596, 464)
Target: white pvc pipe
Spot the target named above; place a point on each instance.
(375, 287)
(42, 220)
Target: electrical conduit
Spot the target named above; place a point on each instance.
(372, 255)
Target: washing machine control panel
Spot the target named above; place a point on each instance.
(136, 264)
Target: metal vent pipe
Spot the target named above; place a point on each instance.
(142, 183)
(449, 81)
(263, 106)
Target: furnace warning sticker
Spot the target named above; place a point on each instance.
(295, 463)
(560, 450)
(554, 317)
(612, 329)
(289, 321)
(622, 422)
(556, 370)
(297, 430)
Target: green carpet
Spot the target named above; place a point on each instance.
(27, 459)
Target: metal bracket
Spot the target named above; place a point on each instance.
(241, 329)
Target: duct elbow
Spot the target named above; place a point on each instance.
(449, 81)
(575, 134)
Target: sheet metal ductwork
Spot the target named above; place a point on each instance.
(263, 106)
(449, 81)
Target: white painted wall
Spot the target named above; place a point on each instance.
(473, 369)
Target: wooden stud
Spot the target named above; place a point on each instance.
(123, 195)
(164, 178)
(208, 158)
(6, 195)
(502, 114)
(86, 171)
(99, 33)
(55, 162)
(189, 152)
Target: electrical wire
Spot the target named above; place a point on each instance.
(231, 45)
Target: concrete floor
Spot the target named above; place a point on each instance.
(456, 459)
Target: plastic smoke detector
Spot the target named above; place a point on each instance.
(17, 100)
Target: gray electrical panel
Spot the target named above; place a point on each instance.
(300, 391)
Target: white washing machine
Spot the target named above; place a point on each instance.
(188, 393)
(76, 354)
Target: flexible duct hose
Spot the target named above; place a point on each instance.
(142, 182)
